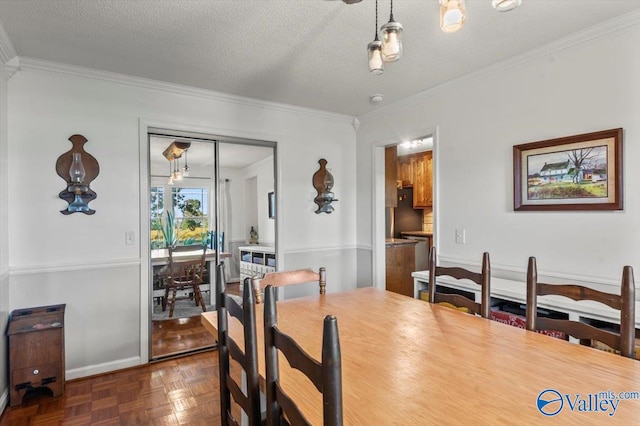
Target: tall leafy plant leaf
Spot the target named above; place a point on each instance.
(168, 230)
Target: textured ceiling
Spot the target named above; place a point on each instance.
(201, 155)
(309, 53)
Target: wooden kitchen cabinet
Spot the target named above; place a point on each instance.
(390, 176)
(423, 180)
(405, 170)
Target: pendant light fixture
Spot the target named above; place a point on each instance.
(170, 181)
(185, 172)
(391, 35)
(376, 63)
(452, 15)
(505, 5)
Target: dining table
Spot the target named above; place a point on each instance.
(410, 362)
(160, 257)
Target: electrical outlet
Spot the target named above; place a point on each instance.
(460, 234)
(130, 238)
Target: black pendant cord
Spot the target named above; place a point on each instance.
(391, 17)
(376, 28)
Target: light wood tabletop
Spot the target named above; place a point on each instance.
(405, 361)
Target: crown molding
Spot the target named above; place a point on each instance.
(585, 36)
(7, 51)
(26, 63)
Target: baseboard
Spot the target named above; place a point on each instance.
(107, 367)
(4, 399)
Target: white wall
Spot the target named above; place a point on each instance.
(4, 241)
(83, 260)
(585, 83)
(263, 174)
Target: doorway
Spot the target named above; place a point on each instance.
(408, 211)
(197, 196)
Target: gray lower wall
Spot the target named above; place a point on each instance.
(4, 316)
(365, 267)
(102, 316)
(341, 265)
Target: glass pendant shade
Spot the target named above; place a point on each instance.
(170, 181)
(176, 171)
(76, 171)
(391, 35)
(452, 15)
(185, 173)
(376, 64)
(505, 5)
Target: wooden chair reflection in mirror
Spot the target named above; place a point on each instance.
(187, 266)
(622, 342)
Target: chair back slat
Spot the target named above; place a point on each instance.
(293, 414)
(459, 301)
(579, 330)
(280, 406)
(298, 358)
(458, 273)
(287, 278)
(249, 401)
(624, 341)
(234, 309)
(578, 292)
(482, 279)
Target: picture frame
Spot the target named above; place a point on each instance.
(581, 172)
(272, 204)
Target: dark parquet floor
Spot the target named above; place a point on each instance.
(182, 390)
(175, 336)
(178, 391)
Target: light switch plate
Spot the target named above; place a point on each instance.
(130, 238)
(460, 236)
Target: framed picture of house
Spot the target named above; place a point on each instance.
(582, 172)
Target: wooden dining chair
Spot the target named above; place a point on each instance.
(185, 274)
(483, 279)
(622, 342)
(228, 349)
(286, 278)
(325, 375)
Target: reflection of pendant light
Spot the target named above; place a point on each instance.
(170, 181)
(391, 34)
(452, 14)
(186, 165)
(176, 173)
(505, 5)
(376, 64)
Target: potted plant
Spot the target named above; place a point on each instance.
(169, 231)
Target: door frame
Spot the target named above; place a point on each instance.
(378, 207)
(147, 126)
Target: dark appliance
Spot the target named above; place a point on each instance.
(407, 218)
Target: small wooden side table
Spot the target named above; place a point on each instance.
(36, 352)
